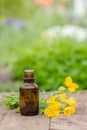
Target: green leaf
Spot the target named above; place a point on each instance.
(41, 111)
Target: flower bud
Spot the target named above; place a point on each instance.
(62, 89)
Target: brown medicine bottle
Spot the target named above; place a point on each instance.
(29, 95)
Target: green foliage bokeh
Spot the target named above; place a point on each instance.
(28, 48)
(53, 61)
(11, 8)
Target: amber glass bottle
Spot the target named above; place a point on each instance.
(29, 95)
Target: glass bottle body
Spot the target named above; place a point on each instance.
(29, 99)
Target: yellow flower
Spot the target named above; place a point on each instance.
(71, 86)
(52, 99)
(51, 113)
(55, 105)
(68, 81)
(48, 112)
(63, 96)
(55, 113)
(69, 111)
(71, 101)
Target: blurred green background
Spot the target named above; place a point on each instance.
(24, 44)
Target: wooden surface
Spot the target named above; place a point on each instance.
(9, 120)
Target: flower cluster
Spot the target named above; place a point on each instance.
(60, 102)
(53, 107)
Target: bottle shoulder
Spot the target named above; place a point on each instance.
(29, 85)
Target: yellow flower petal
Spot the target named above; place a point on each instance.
(51, 99)
(72, 87)
(55, 106)
(55, 113)
(71, 101)
(51, 113)
(75, 85)
(68, 81)
(48, 112)
(69, 111)
(72, 110)
(63, 96)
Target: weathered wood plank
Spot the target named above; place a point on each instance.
(78, 121)
(9, 120)
(69, 123)
(12, 121)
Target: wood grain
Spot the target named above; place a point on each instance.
(9, 120)
(12, 121)
(78, 121)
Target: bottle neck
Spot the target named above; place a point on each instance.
(27, 80)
